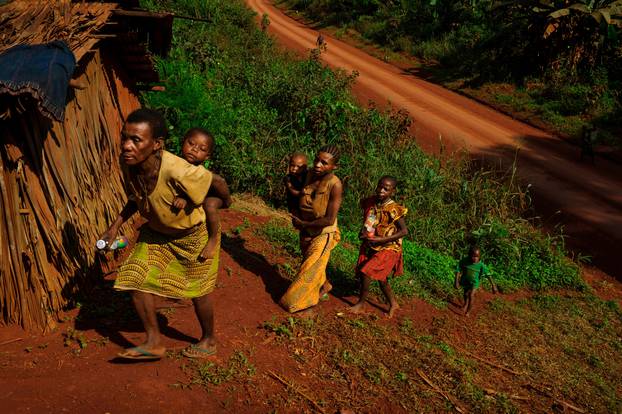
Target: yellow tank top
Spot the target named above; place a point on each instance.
(314, 202)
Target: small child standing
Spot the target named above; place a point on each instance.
(295, 180)
(382, 233)
(197, 147)
(469, 272)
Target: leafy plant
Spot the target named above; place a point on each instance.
(262, 104)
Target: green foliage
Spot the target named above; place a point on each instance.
(262, 104)
(282, 235)
(562, 43)
(206, 373)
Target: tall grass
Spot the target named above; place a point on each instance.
(262, 104)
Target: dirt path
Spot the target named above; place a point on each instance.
(586, 199)
(74, 370)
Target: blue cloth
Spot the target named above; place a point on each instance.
(41, 71)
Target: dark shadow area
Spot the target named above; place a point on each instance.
(580, 198)
(257, 264)
(110, 313)
(344, 284)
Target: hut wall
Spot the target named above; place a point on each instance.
(60, 188)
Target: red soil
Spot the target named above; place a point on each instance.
(586, 199)
(41, 374)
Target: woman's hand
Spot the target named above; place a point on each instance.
(297, 223)
(110, 234)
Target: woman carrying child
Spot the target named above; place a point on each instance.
(317, 221)
(165, 260)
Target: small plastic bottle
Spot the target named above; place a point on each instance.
(118, 243)
(370, 224)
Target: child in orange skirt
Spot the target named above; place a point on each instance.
(381, 251)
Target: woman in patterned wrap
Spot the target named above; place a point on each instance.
(166, 260)
(317, 221)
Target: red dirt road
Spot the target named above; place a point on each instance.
(586, 199)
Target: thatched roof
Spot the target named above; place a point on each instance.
(32, 22)
(135, 34)
(60, 183)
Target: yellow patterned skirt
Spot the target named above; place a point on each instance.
(304, 291)
(168, 266)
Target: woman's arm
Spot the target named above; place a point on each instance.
(128, 211)
(401, 232)
(334, 203)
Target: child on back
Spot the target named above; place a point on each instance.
(381, 251)
(197, 147)
(469, 272)
(295, 180)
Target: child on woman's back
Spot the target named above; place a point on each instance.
(381, 251)
(469, 272)
(295, 180)
(197, 147)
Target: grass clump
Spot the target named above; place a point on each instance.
(526, 356)
(262, 104)
(563, 343)
(208, 373)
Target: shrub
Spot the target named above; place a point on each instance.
(262, 104)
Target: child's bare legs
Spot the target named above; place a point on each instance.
(213, 224)
(205, 314)
(365, 282)
(469, 293)
(388, 293)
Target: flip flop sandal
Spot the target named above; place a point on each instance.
(196, 352)
(138, 353)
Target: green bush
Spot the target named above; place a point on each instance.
(476, 42)
(262, 104)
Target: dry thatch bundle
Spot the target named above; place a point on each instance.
(33, 22)
(60, 182)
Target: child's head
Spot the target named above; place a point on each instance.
(197, 146)
(474, 254)
(386, 187)
(326, 160)
(297, 164)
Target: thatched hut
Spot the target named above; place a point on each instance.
(59, 173)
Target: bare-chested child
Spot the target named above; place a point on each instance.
(469, 272)
(381, 252)
(295, 180)
(197, 147)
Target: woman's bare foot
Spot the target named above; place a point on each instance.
(357, 308)
(209, 251)
(392, 309)
(326, 287)
(307, 313)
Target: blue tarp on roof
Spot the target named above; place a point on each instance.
(41, 71)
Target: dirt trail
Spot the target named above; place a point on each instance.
(586, 199)
(73, 369)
